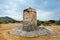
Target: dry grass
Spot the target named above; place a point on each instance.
(4, 35)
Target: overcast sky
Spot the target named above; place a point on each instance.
(46, 9)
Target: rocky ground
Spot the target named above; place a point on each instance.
(5, 35)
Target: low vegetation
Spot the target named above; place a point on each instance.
(49, 22)
(46, 23)
(5, 22)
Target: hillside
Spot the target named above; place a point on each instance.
(7, 19)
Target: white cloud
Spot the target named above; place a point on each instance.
(10, 9)
(14, 8)
(43, 15)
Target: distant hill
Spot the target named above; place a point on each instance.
(7, 19)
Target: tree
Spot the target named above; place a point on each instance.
(51, 21)
(46, 23)
(58, 22)
(39, 22)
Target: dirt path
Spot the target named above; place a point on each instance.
(4, 34)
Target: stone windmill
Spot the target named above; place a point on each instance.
(29, 19)
(30, 28)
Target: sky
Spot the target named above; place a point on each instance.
(46, 9)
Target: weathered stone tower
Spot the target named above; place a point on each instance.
(29, 19)
(29, 28)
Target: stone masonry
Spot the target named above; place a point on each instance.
(30, 28)
(29, 19)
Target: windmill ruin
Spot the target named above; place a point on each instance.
(30, 28)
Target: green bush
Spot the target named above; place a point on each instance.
(3, 21)
(58, 22)
(38, 22)
(51, 21)
(46, 23)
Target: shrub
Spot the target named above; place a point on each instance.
(46, 23)
(51, 21)
(38, 22)
(58, 22)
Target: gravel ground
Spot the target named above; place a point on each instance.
(6, 28)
